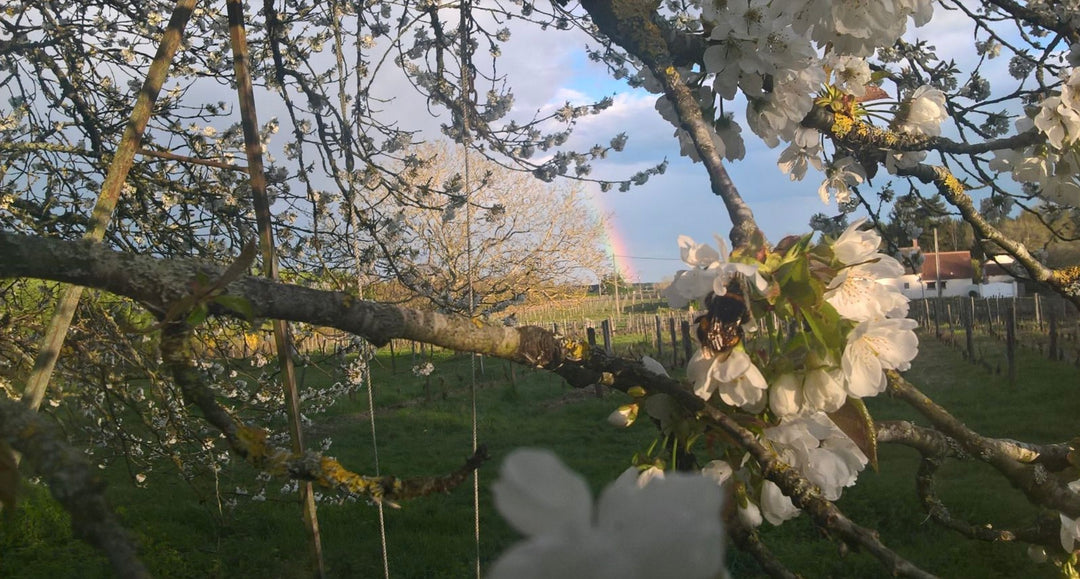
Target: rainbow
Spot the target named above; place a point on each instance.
(615, 245)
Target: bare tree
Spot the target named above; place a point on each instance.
(514, 235)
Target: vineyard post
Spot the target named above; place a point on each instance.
(674, 342)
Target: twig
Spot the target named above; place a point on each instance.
(1032, 479)
(192, 160)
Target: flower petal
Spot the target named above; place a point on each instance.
(776, 507)
(536, 493)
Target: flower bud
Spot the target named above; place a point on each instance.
(623, 416)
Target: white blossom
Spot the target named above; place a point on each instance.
(1070, 527)
(1070, 91)
(923, 112)
(696, 254)
(718, 471)
(732, 376)
(654, 366)
(873, 347)
(798, 393)
(623, 416)
(1058, 121)
(820, 451)
(424, 369)
(857, 292)
(710, 273)
(840, 176)
(804, 151)
(851, 73)
(775, 505)
(667, 527)
(856, 245)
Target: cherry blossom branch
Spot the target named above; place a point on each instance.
(857, 135)
(251, 443)
(157, 283)
(160, 282)
(1065, 281)
(74, 483)
(1035, 18)
(861, 136)
(1032, 479)
(806, 496)
(633, 25)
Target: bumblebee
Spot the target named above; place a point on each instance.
(719, 329)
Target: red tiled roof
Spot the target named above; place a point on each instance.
(954, 265)
(992, 268)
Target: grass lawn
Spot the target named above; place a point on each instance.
(423, 428)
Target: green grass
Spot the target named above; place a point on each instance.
(424, 428)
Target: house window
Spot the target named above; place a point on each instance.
(931, 285)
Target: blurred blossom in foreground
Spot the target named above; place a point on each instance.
(664, 527)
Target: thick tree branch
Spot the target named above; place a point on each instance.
(935, 447)
(1043, 533)
(157, 283)
(932, 443)
(1036, 18)
(861, 136)
(72, 481)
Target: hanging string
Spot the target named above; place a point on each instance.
(365, 350)
(375, 450)
(466, 92)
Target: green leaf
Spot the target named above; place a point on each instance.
(854, 419)
(9, 479)
(799, 248)
(824, 324)
(198, 315)
(797, 285)
(238, 304)
(878, 75)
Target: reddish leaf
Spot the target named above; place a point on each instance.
(873, 93)
(854, 419)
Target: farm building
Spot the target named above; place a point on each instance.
(956, 274)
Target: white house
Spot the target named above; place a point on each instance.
(999, 279)
(956, 276)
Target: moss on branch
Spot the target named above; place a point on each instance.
(251, 443)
